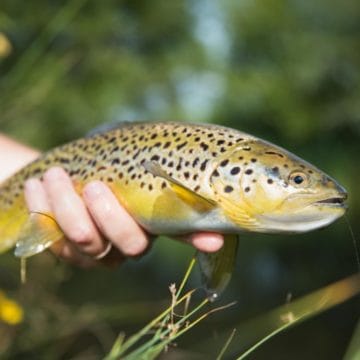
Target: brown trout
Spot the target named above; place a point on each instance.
(177, 178)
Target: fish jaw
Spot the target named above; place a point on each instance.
(317, 214)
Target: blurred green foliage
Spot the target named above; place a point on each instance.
(288, 71)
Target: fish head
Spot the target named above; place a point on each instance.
(265, 188)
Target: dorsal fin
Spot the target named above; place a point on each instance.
(103, 128)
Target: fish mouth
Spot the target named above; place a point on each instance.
(336, 201)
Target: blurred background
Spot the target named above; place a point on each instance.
(287, 71)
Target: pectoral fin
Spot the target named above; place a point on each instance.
(216, 268)
(38, 233)
(189, 196)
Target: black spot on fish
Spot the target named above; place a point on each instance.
(270, 181)
(195, 162)
(274, 153)
(203, 165)
(136, 155)
(228, 189)
(204, 146)
(215, 173)
(248, 171)
(186, 175)
(115, 161)
(180, 146)
(224, 163)
(155, 158)
(220, 142)
(116, 148)
(253, 160)
(235, 170)
(247, 189)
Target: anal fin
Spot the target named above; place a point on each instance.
(38, 233)
(217, 268)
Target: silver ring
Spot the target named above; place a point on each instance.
(105, 252)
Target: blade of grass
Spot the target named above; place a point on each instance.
(144, 331)
(302, 309)
(226, 345)
(353, 351)
(159, 336)
(195, 322)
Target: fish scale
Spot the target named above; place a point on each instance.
(178, 178)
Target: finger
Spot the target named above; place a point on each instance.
(205, 241)
(35, 196)
(113, 220)
(37, 201)
(71, 213)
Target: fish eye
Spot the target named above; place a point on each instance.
(298, 178)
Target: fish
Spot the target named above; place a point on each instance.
(177, 178)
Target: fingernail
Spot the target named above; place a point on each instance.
(208, 242)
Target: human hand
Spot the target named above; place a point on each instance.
(94, 219)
